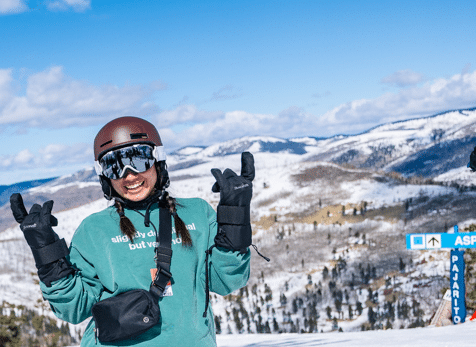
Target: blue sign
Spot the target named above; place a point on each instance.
(444, 240)
(457, 286)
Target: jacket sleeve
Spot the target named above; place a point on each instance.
(71, 298)
(228, 270)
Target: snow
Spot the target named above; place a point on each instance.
(189, 150)
(459, 335)
(462, 175)
(383, 194)
(55, 188)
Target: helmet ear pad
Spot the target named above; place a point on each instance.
(106, 187)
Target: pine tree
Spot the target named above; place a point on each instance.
(238, 321)
(372, 317)
(218, 324)
(275, 325)
(338, 305)
(402, 265)
(283, 300)
(295, 308)
(325, 273)
(359, 307)
(10, 330)
(334, 273)
(268, 292)
(312, 325)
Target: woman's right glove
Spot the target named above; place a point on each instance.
(48, 249)
(233, 211)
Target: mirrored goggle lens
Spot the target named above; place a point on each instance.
(138, 158)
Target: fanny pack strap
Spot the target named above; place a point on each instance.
(163, 253)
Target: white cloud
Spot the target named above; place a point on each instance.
(64, 5)
(225, 93)
(456, 92)
(6, 90)
(403, 78)
(205, 128)
(24, 157)
(230, 125)
(185, 114)
(53, 155)
(19, 6)
(53, 99)
(12, 6)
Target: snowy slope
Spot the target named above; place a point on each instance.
(460, 335)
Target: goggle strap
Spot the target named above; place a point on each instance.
(97, 167)
(159, 153)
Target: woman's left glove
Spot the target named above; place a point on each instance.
(46, 246)
(233, 211)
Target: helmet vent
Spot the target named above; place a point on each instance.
(139, 136)
(106, 143)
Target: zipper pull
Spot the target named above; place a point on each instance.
(262, 256)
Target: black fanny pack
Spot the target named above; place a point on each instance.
(134, 312)
(124, 316)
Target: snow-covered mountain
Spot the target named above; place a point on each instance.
(426, 147)
(334, 204)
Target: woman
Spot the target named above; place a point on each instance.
(111, 256)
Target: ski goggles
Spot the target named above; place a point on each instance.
(137, 158)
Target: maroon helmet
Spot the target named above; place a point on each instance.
(123, 132)
(127, 131)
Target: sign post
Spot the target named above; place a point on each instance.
(457, 242)
(458, 304)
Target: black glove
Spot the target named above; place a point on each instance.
(36, 225)
(472, 160)
(233, 211)
(37, 229)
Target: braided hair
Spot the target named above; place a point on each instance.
(128, 229)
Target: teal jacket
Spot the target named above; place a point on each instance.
(109, 264)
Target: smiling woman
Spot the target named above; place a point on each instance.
(136, 293)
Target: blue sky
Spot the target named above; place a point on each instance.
(209, 71)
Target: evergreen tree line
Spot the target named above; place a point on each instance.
(337, 296)
(23, 327)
